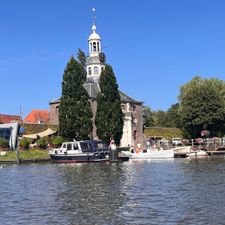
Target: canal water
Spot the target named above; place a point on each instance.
(178, 191)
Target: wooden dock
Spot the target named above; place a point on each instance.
(218, 152)
(210, 150)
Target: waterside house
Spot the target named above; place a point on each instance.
(9, 118)
(37, 116)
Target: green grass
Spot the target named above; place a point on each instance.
(26, 154)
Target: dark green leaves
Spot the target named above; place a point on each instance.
(75, 115)
(109, 115)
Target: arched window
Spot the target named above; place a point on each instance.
(91, 47)
(94, 46)
(98, 46)
(57, 109)
(95, 70)
(89, 70)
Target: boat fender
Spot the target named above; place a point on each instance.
(65, 153)
(56, 152)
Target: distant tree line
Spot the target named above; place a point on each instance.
(201, 106)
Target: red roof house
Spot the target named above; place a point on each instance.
(37, 117)
(9, 118)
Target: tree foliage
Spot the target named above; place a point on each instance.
(81, 57)
(75, 115)
(56, 141)
(174, 117)
(160, 118)
(202, 106)
(148, 117)
(109, 115)
(24, 143)
(4, 143)
(42, 143)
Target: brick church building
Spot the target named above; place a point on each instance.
(132, 109)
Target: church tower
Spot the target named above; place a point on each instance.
(96, 59)
(132, 109)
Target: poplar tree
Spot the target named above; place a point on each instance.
(81, 57)
(109, 115)
(75, 115)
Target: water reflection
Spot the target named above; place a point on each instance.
(179, 191)
(93, 189)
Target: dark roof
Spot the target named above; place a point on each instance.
(125, 98)
(55, 101)
(9, 118)
(93, 89)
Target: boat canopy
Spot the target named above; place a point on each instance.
(42, 134)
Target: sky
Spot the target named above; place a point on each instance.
(154, 47)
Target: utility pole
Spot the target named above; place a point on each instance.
(17, 149)
(20, 114)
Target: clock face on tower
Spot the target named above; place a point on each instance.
(102, 57)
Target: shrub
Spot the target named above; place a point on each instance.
(57, 141)
(4, 143)
(24, 143)
(42, 143)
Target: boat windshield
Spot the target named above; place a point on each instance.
(100, 145)
(69, 146)
(75, 146)
(85, 147)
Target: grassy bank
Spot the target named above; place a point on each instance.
(26, 154)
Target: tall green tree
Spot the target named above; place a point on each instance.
(160, 118)
(148, 117)
(174, 117)
(75, 115)
(202, 106)
(81, 57)
(109, 115)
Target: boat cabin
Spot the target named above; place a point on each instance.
(84, 146)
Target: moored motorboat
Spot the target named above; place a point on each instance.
(149, 154)
(80, 151)
(197, 153)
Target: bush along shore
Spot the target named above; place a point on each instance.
(25, 156)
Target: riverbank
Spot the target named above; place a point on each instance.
(25, 156)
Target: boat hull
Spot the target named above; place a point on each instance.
(79, 158)
(163, 154)
(200, 153)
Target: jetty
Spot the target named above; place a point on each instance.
(212, 146)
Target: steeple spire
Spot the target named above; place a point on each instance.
(93, 16)
(93, 63)
(94, 21)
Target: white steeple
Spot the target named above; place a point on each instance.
(93, 64)
(94, 39)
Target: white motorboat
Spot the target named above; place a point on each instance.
(197, 153)
(149, 154)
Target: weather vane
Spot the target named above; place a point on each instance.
(93, 16)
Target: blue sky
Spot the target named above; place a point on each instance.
(154, 46)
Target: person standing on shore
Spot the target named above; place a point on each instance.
(112, 145)
(138, 149)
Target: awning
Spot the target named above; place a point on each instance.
(45, 133)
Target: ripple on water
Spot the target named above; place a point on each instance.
(180, 191)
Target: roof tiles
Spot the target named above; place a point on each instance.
(37, 117)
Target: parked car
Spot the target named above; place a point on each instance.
(176, 141)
